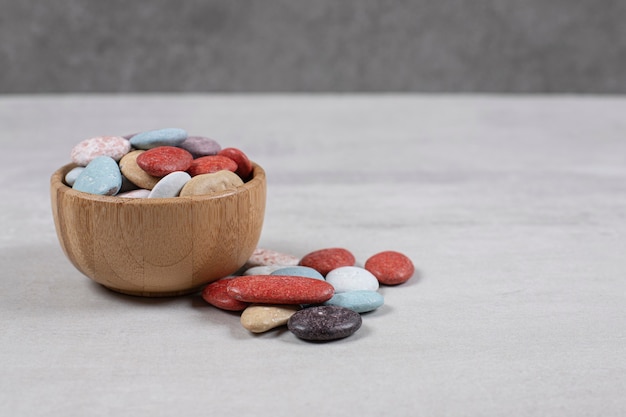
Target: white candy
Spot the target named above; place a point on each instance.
(352, 278)
(170, 185)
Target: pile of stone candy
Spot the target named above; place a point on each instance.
(160, 163)
(319, 297)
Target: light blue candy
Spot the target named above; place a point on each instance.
(360, 301)
(101, 176)
(161, 137)
(299, 271)
(70, 177)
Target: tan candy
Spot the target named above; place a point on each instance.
(261, 318)
(134, 173)
(211, 183)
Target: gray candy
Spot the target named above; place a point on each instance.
(323, 323)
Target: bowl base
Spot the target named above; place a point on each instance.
(154, 294)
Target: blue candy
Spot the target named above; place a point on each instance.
(360, 301)
(299, 271)
(161, 137)
(101, 176)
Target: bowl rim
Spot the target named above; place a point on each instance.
(57, 183)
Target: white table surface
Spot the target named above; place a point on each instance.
(513, 210)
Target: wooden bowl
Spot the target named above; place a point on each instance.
(158, 247)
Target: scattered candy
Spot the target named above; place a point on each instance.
(352, 278)
(216, 294)
(261, 318)
(322, 323)
(101, 176)
(361, 301)
(390, 268)
(262, 256)
(262, 269)
(325, 260)
(298, 271)
(279, 289)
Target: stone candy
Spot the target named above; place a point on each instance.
(298, 271)
(211, 164)
(164, 160)
(112, 146)
(262, 269)
(200, 146)
(390, 268)
(323, 323)
(360, 301)
(244, 166)
(216, 294)
(70, 177)
(261, 318)
(211, 183)
(278, 289)
(170, 185)
(101, 176)
(139, 193)
(159, 137)
(325, 260)
(352, 278)
(134, 173)
(262, 256)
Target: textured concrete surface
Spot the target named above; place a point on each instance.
(511, 208)
(282, 45)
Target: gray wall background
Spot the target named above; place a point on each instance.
(571, 46)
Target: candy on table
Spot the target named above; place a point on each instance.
(352, 278)
(325, 260)
(259, 318)
(390, 267)
(361, 301)
(216, 294)
(323, 323)
(279, 289)
(298, 271)
(263, 256)
(262, 269)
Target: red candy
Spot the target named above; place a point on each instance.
(210, 164)
(215, 294)
(390, 268)
(244, 166)
(279, 289)
(164, 160)
(325, 260)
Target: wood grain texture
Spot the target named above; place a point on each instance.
(158, 247)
